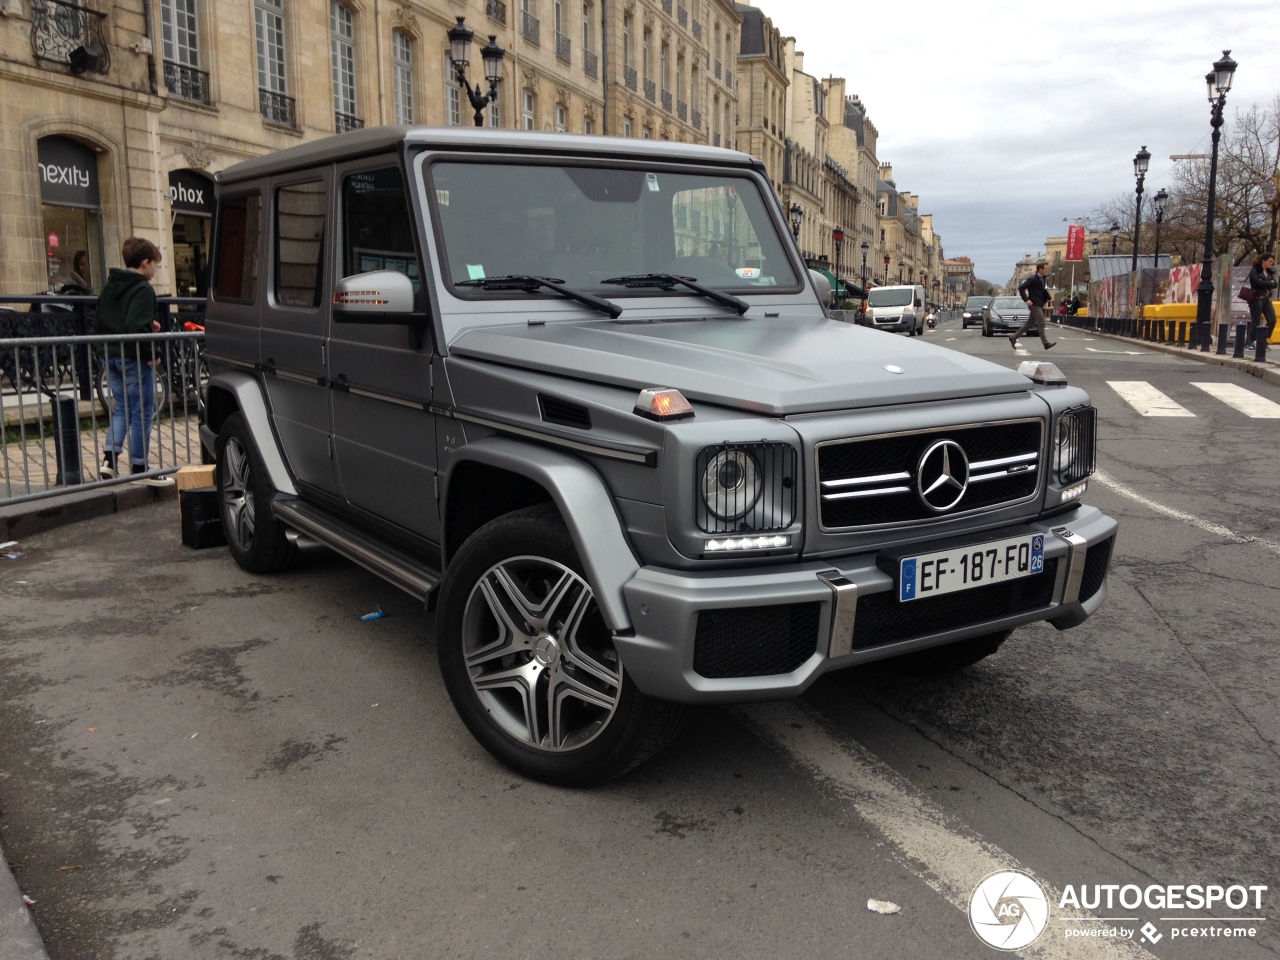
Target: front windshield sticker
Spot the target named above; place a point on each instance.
(651, 181)
(748, 273)
(475, 271)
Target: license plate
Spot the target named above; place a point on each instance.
(962, 568)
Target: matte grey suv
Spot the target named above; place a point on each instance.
(580, 396)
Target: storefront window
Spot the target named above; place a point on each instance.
(191, 205)
(70, 216)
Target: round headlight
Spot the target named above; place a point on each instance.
(1066, 446)
(731, 484)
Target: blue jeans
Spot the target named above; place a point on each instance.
(133, 389)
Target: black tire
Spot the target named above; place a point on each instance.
(987, 331)
(949, 658)
(255, 537)
(550, 648)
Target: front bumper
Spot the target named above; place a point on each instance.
(1011, 326)
(803, 619)
(894, 325)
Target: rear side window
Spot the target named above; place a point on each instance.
(300, 214)
(377, 226)
(236, 258)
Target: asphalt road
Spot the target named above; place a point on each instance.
(196, 762)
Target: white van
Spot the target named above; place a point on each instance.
(897, 308)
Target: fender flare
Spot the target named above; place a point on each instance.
(585, 504)
(249, 400)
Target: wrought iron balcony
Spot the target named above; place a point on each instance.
(697, 119)
(69, 34)
(650, 89)
(715, 140)
(666, 6)
(562, 47)
(717, 71)
(497, 10)
(277, 108)
(186, 83)
(530, 27)
(342, 122)
(682, 110)
(682, 15)
(666, 100)
(728, 79)
(697, 30)
(590, 63)
(630, 76)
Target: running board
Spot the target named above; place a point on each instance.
(395, 566)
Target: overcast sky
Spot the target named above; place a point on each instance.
(1005, 121)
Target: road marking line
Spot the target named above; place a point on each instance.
(1208, 526)
(943, 854)
(1122, 353)
(1246, 401)
(1147, 400)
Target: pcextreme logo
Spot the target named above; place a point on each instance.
(1008, 910)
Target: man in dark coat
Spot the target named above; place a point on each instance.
(1035, 293)
(127, 305)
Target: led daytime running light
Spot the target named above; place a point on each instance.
(1073, 493)
(738, 544)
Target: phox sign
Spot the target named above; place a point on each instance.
(1075, 242)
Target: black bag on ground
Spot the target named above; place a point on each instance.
(201, 519)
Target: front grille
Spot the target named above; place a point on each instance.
(883, 619)
(755, 641)
(1096, 559)
(746, 487)
(874, 480)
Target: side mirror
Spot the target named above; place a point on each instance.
(822, 286)
(382, 296)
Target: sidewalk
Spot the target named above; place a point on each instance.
(19, 938)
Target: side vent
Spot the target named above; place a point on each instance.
(564, 413)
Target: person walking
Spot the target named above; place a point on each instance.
(1035, 294)
(127, 305)
(1262, 309)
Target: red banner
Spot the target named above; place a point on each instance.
(1075, 242)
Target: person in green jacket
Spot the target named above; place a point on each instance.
(127, 304)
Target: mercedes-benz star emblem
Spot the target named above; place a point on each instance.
(943, 475)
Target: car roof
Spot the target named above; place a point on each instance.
(374, 140)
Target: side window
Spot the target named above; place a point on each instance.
(300, 213)
(377, 227)
(236, 257)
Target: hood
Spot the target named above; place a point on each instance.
(777, 366)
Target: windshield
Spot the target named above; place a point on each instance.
(973, 302)
(1007, 303)
(889, 297)
(584, 225)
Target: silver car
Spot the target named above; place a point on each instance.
(1005, 315)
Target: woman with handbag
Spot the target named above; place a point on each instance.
(1262, 282)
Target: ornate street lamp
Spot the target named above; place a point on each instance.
(1140, 163)
(460, 53)
(1095, 246)
(797, 214)
(1115, 232)
(886, 268)
(1159, 200)
(865, 247)
(1218, 81)
(901, 264)
(837, 237)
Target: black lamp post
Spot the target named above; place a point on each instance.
(837, 237)
(460, 53)
(1115, 232)
(886, 268)
(865, 247)
(1159, 200)
(901, 264)
(1140, 163)
(1095, 246)
(797, 214)
(1219, 82)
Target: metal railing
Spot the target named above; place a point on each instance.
(630, 76)
(187, 83)
(666, 6)
(697, 30)
(342, 122)
(277, 108)
(666, 100)
(717, 69)
(697, 119)
(562, 47)
(728, 79)
(682, 110)
(497, 10)
(70, 34)
(650, 89)
(531, 27)
(682, 15)
(57, 403)
(590, 63)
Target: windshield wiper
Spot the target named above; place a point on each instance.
(529, 284)
(668, 280)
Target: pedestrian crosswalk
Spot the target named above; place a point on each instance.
(1149, 401)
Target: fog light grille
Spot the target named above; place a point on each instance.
(755, 641)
